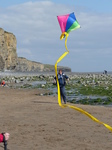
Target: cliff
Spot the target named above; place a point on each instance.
(25, 65)
(8, 55)
(10, 61)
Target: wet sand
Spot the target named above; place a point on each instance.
(38, 123)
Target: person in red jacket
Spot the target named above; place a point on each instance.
(3, 83)
(4, 136)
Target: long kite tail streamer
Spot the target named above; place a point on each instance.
(67, 24)
(59, 59)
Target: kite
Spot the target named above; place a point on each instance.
(67, 24)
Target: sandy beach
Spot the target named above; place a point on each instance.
(38, 123)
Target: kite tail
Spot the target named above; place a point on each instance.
(90, 116)
(59, 59)
(65, 34)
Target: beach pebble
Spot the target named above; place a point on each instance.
(43, 85)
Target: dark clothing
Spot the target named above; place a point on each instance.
(61, 78)
(63, 94)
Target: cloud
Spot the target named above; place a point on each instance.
(37, 31)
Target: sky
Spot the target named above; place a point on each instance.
(35, 25)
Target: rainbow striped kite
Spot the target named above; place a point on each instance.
(67, 23)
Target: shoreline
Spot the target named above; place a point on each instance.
(12, 73)
(92, 89)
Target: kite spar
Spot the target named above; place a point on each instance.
(67, 24)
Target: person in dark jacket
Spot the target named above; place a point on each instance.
(62, 82)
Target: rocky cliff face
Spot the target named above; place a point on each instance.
(10, 61)
(8, 55)
(27, 65)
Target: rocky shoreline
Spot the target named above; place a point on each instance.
(82, 88)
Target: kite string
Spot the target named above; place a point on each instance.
(58, 88)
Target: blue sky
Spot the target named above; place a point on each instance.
(96, 5)
(36, 28)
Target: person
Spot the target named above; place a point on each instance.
(3, 83)
(4, 137)
(61, 78)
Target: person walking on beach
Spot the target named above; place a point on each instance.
(61, 78)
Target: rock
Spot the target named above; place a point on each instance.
(41, 76)
(42, 85)
(8, 53)
(2, 63)
(17, 81)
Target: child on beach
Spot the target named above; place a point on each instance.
(3, 83)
